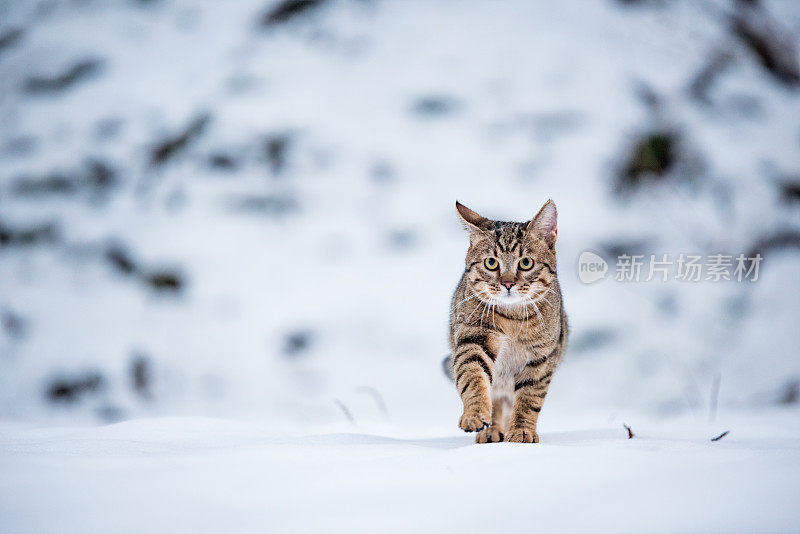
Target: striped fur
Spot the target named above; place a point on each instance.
(506, 341)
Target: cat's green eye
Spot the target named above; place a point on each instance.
(526, 264)
(491, 263)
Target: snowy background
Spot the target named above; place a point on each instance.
(227, 236)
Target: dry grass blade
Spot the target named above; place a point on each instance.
(345, 411)
(720, 436)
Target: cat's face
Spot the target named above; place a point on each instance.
(510, 263)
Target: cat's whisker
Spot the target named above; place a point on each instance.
(473, 296)
(542, 290)
(478, 305)
(485, 307)
(542, 296)
(550, 291)
(524, 316)
(486, 310)
(527, 317)
(539, 315)
(544, 301)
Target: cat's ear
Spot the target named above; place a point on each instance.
(476, 224)
(544, 225)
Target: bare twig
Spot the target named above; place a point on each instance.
(345, 411)
(720, 436)
(630, 432)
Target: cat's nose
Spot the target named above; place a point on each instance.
(508, 285)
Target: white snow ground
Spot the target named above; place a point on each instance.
(536, 100)
(208, 475)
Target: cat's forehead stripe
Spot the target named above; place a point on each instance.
(508, 235)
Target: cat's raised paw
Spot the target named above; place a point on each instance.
(490, 434)
(522, 435)
(473, 421)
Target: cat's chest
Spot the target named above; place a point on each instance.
(511, 358)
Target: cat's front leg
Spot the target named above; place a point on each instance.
(495, 432)
(473, 367)
(530, 389)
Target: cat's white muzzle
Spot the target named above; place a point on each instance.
(507, 299)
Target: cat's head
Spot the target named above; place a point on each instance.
(511, 262)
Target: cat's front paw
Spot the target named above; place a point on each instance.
(491, 434)
(474, 420)
(522, 435)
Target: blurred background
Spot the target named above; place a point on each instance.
(246, 208)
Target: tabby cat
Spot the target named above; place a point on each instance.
(508, 329)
